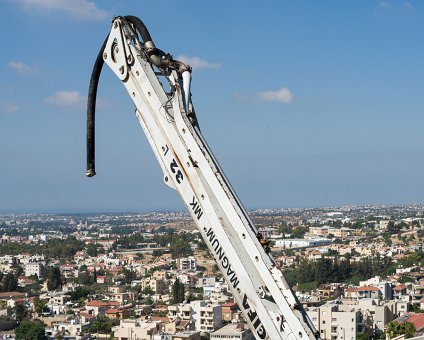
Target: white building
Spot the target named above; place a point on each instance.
(333, 324)
(183, 311)
(233, 331)
(33, 269)
(207, 317)
(136, 329)
(70, 328)
(187, 263)
(300, 243)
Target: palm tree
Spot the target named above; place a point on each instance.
(396, 328)
(408, 329)
(393, 329)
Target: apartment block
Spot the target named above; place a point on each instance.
(233, 331)
(207, 317)
(33, 269)
(136, 329)
(157, 285)
(186, 263)
(333, 324)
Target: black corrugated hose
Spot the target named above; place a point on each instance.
(91, 111)
(92, 93)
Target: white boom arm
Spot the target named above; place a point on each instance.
(169, 122)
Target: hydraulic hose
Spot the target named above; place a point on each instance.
(91, 111)
(142, 29)
(157, 57)
(92, 93)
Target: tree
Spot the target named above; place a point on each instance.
(31, 330)
(299, 232)
(392, 228)
(129, 275)
(396, 328)
(39, 305)
(9, 283)
(92, 249)
(178, 291)
(103, 324)
(79, 293)
(362, 336)
(21, 312)
(157, 253)
(148, 291)
(85, 279)
(54, 278)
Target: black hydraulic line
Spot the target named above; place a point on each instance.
(157, 57)
(92, 93)
(139, 25)
(91, 111)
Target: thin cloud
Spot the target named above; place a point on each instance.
(383, 5)
(282, 95)
(408, 6)
(76, 9)
(397, 7)
(20, 67)
(8, 107)
(66, 99)
(196, 63)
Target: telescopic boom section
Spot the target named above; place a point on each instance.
(169, 121)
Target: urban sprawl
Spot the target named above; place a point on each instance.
(357, 270)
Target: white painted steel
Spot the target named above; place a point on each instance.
(186, 75)
(267, 302)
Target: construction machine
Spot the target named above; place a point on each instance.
(159, 87)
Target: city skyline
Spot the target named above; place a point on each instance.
(303, 104)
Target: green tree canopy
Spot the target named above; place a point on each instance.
(396, 328)
(39, 305)
(54, 278)
(31, 330)
(178, 291)
(21, 312)
(9, 283)
(148, 291)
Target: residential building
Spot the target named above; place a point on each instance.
(355, 293)
(33, 269)
(230, 311)
(136, 329)
(233, 331)
(183, 311)
(186, 263)
(207, 317)
(333, 324)
(157, 285)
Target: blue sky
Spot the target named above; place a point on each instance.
(304, 103)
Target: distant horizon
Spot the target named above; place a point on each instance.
(111, 211)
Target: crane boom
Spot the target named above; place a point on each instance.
(160, 89)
